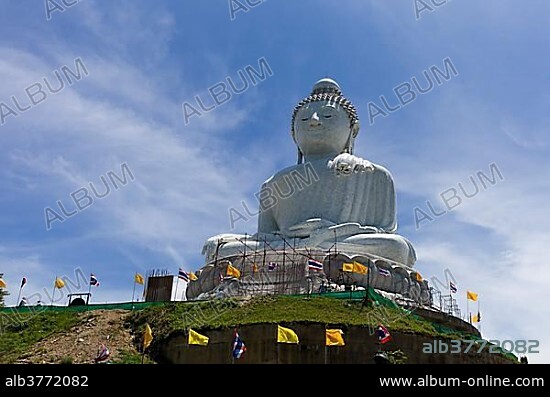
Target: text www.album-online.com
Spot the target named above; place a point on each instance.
(490, 381)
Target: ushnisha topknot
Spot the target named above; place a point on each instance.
(328, 90)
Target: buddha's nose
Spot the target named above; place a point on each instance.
(314, 120)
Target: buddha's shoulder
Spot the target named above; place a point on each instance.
(306, 171)
(317, 170)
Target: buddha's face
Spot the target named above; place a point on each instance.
(321, 128)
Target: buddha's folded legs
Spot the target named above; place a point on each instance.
(389, 246)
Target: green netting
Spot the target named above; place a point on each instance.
(106, 306)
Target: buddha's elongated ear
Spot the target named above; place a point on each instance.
(355, 127)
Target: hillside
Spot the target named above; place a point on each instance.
(66, 337)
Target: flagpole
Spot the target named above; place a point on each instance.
(19, 296)
(468, 308)
(326, 348)
(89, 290)
(20, 289)
(478, 319)
(177, 282)
(53, 292)
(134, 291)
(244, 255)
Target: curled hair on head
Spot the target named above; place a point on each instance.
(333, 99)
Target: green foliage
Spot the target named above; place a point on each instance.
(66, 360)
(20, 331)
(129, 357)
(397, 357)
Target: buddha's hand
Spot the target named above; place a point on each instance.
(308, 227)
(347, 164)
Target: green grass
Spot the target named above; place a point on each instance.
(130, 357)
(19, 332)
(271, 310)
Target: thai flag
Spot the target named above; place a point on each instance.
(238, 346)
(93, 281)
(452, 287)
(384, 272)
(184, 276)
(383, 334)
(314, 265)
(271, 266)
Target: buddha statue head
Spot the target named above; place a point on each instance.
(325, 123)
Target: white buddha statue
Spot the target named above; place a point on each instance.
(348, 201)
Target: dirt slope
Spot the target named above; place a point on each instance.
(81, 343)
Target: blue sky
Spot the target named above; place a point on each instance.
(145, 59)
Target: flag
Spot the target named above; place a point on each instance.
(254, 268)
(383, 334)
(3, 284)
(359, 268)
(59, 283)
(355, 267)
(238, 346)
(476, 318)
(102, 354)
(93, 280)
(334, 337)
(471, 295)
(184, 276)
(286, 335)
(384, 272)
(139, 279)
(233, 271)
(23, 282)
(197, 339)
(347, 267)
(147, 337)
(419, 277)
(314, 265)
(452, 287)
(193, 276)
(271, 266)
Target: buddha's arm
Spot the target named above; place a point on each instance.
(266, 219)
(381, 202)
(387, 200)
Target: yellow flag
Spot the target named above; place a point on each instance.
(355, 267)
(286, 335)
(59, 283)
(192, 276)
(233, 271)
(139, 279)
(334, 337)
(197, 339)
(359, 268)
(471, 295)
(147, 337)
(475, 318)
(347, 267)
(419, 277)
(3, 284)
